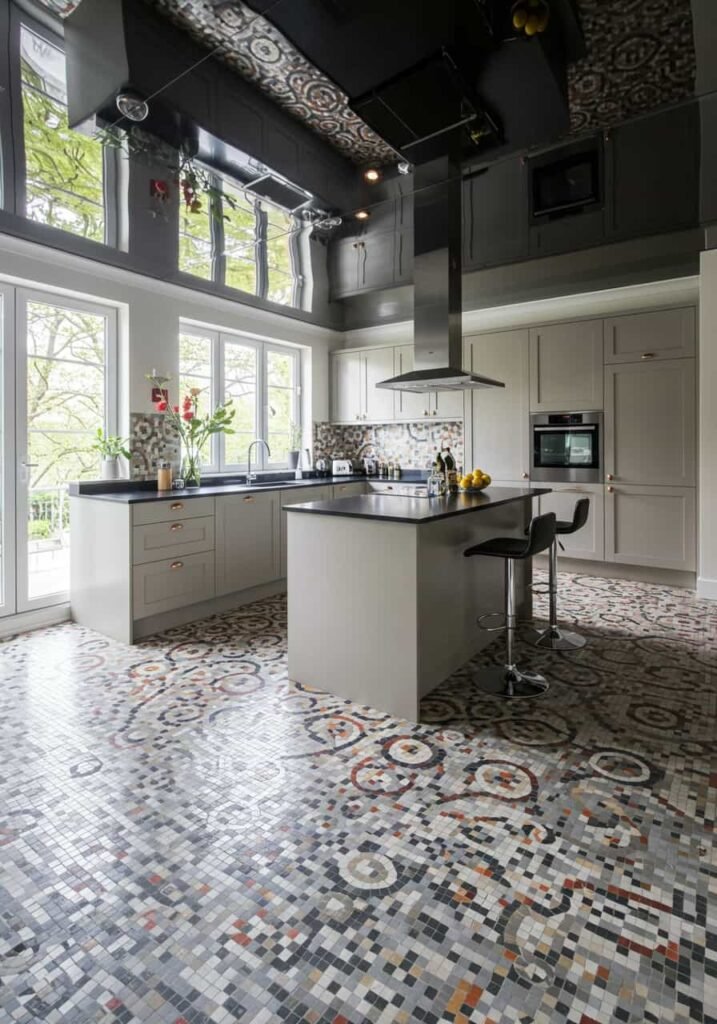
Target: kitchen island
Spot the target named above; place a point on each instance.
(382, 603)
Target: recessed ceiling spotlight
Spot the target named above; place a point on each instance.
(363, 215)
(371, 175)
(404, 167)
(132, 106)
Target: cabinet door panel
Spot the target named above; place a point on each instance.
(248, 541)
(495, 215)
(297, 497)
(377, 366)
(566, 367)
(652, 526)
(349, 490)
(375, 261)
(408, 405)
(500, 415)
(650, 422)
(344, 267)
(172, 583)
(346, 387)
(448, 405)
(664, 334)
(588, 542)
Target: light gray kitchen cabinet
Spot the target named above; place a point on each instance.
(354, 395)
(650, 422)
(346, 394)
(247, 541)
(447, 405)
(663, 334)
(589, 541)
(409, 406)
(378, 403)
(172, 583)
(298, 497)
(500, 415)
(566, 367)
(652, 526)
(348, 490)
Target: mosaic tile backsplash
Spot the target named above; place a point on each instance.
(151, 438)
(413, 444)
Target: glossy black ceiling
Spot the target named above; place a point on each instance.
(640, 56)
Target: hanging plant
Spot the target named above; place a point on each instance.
(194, 184)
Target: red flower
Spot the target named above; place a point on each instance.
(187, 402)
(161, 406)
(187, 415)
(175, 408)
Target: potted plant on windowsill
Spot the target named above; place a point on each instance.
(295, 438)
(111, 448)
(192, 429)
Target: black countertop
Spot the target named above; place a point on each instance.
(124, 492)
(395, 509)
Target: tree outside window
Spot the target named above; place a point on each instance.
(64, 179)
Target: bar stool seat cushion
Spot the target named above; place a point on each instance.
(499, 547)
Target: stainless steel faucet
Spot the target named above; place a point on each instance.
(249, 475)
(368, 444)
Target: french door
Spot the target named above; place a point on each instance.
(60, 388)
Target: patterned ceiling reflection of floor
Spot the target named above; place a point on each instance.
(186, 838)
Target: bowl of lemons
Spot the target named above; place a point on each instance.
(475, 481)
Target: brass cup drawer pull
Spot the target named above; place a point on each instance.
(647, 355)
(177, 506)
(610, 490)
(176, 526)
(249, 497)
(176, 565)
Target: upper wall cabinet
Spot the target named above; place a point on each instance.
(495, 215)
(354, 395)
(654, 168)
(566, 367)
(664, 334)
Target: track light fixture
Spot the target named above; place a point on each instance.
(132, 106)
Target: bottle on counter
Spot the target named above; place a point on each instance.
(436, 482)
(451, 473)
(164, 476)
(389, 473)
(396, 470)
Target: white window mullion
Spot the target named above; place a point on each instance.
(262, 403)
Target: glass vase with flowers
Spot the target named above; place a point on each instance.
(192, 429)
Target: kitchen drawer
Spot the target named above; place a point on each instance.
(172, 540)
(172, 583)
(349, 490)
(172, 509)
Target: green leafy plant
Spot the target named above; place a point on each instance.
(39, 529)
(193, 430)
(110, 446)
(296, 436)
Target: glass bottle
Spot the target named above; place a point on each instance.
(451, 474)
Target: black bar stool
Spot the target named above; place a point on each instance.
(553, 637)
(508, 680)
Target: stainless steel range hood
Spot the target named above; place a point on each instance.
(438, 336)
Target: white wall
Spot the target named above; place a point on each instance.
(707, 567)
(150, 312)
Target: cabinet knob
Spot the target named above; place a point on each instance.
(177, 565)
(525, 476)
(610, 476)
(425, 412)
(610, 490)
(647, 355)
(177, 506)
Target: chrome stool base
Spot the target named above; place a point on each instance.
(510, 683)
(555, 639)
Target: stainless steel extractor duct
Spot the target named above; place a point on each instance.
(438, 336)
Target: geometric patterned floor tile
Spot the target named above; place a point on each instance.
(186, 837)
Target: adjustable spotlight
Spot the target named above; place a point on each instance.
(404, 167)
(371, 175)
(132, 106)
(363, 215)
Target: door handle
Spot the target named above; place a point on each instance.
(610, 490)
(30, 465)
(610, 476)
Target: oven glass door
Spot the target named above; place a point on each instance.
(566, 447)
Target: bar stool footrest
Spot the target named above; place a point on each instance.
(492, 615)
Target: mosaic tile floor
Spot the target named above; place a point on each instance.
(186, 838)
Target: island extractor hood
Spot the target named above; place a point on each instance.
(438, 335)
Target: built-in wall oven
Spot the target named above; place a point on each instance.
(567, 446)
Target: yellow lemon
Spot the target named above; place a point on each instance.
(487, 478)
(520, 17)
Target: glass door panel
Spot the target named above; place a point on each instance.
(62, 401)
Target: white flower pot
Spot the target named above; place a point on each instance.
(111, 468)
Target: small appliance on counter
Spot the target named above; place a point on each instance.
(322, 467)
(370, 466)
(342, 467)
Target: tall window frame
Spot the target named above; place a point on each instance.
(111, 176)
(217, 215)
(218, 341)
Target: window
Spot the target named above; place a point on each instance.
(262, 379)
(248, 244)
(64, 169)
